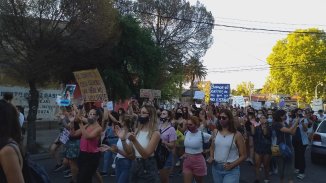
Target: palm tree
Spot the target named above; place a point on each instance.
(194, 69)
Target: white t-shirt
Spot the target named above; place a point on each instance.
(120, 147)
(21, 119)
(194, 142)
(142, 138)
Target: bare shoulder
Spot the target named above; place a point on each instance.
(238, 135)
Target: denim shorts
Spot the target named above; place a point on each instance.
(144, 171)
(220, 175)
(169, 161)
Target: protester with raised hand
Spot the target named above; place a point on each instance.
(227, 151)
(89, 155)
(10, 147)
(283, 133)
(123, 159)
(144, 141)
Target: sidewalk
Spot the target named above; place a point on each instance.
(46, 133)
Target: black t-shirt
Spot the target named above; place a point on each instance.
(281, 136)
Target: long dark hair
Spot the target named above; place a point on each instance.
(277, 117)
(9, 124)
(231, 128)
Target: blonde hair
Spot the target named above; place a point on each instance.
(152, 124)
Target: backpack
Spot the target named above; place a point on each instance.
(161, 153)
(32, 172)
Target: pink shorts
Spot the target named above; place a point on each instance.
(195, 164)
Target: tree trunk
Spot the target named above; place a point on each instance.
(33, 100)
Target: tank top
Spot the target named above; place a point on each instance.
(89, 145)
(142, 138)
(222, 152)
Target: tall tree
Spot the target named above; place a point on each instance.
(182, 31)
(298, 63)
(244, 89)
(34, 35)
(194, 70)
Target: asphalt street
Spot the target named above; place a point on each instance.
(314, 173)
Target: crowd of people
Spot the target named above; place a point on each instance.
(125, 143)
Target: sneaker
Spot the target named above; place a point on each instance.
(67, 171)
(112, 173)
(58, 167)
(267, 181)
(301, 176)
(103, 174)
(178, 163)
(296, 171)
(69, 175)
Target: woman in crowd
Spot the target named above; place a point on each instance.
(123, 160)
(194, 165)
(89, 155)
(283, 133)
(251, 120)
(300, 141)
(10, 147)
(228, 150)
(144, 142)
(168, 137)
(262, 145)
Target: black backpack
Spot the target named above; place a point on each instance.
(161, 153)
(32, 172)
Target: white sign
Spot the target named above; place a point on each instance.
(64, 136)
(109, 105)
(199, 95)
(256, 105)
(268, 104)
(238, 101)
(317, 104)
(47, 102)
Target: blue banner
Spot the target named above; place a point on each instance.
(220, 93)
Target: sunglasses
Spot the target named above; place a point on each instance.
(92, 114)
(222, 117)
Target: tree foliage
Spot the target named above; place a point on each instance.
(36, 35)
(298, 63)
(244, 89)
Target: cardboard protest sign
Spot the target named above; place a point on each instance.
(238, 101)
(149, 93)
(91, 85)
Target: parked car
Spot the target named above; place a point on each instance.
(318, 148)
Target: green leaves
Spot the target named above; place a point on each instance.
(298, 63)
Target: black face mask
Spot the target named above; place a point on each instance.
(143, 120)
(300, 116)
(163, 119)
(178, 115)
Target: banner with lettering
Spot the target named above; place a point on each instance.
(47, 107)
(91, 85)
(220, 93)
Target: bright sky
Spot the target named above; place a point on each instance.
(234, 49)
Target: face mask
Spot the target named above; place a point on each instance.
(192, 128)
(91, 120)
(178, 115)
(259, 115)
(270, 120)
(224, 123)
(163, 119)
(300, 116)
(143, 120)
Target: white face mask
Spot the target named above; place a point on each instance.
(259, 115)
(270, 120)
